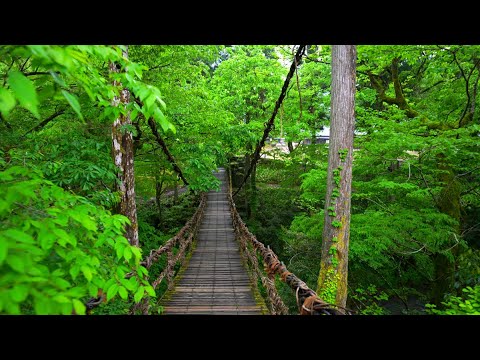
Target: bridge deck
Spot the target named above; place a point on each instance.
(215, 281)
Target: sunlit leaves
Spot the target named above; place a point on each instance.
(139, 294)
(7, 101)
(3, 251)
(112, 291)
(123, 292)
(24, 91)
(73, 101)
(47, 268)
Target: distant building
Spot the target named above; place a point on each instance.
(321, 137)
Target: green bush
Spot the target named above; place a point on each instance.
(468, 304)
(57, 249)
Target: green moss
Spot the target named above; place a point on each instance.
(328, 289)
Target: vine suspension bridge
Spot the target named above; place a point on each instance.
(219, 267)
(217, 257)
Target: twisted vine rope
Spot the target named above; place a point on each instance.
(308, 302)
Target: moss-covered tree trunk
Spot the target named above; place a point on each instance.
(381, 90)
(122, 149)
(332, 280)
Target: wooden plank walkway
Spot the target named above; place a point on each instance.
(215, 281)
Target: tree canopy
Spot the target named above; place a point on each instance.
(415, 192)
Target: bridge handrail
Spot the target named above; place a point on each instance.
(190, 228)
(308, 302)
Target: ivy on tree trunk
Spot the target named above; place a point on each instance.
(332, 280)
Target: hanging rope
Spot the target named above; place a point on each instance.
(269, 124)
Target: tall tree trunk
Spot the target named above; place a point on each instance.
(122, 149)
(332, 280)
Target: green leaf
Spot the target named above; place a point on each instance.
(12, 308)
(81, 215)
(92, 290)
(172, 128)
(19, 293)
(79, 307)
(133, 283)
(127, 253)
(19, 236)
(162, 103)
(65, 309)
(57, 79)
(7, 101)
(16, 263)
(87, 272)
(150, 291)
(61, 298)
(123, 292)
(46, 239)
(134, 114)
(3, 250)
(112, 291)
(161, 119)
(142, 270)
(126, 283)
(120, 272)
(41, 306)
(119, 247)
(136, 251)
(62, 236)
(74, 271)
(73, 101)
(24, 91)
(61, 283)
(139, 294)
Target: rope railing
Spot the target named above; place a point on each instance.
(184, 239)
(308, 302)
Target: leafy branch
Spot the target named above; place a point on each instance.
(269, 125)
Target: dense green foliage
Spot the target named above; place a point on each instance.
(467, 304)
(414, 230)
(415, 201)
